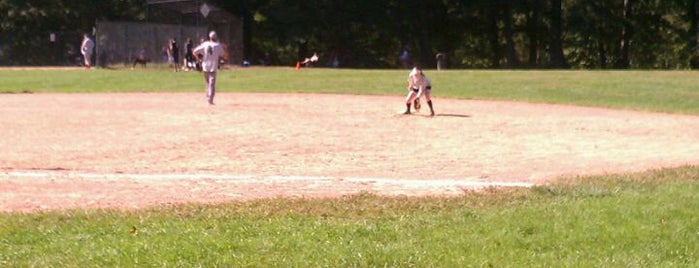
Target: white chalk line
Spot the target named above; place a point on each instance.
(254, 179)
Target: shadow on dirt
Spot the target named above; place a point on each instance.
(436, 115)
(454, 115)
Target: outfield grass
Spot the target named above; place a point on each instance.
(659, 91)
(636, 220)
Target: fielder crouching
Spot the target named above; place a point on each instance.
(418, 85)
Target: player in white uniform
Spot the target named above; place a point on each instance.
(86, 49)
(418, 85)
(212, 51)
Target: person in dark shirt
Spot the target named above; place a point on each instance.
(189, 62)
(175, 54)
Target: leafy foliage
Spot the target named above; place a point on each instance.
(478, 33)
(371, 34)
(26, 26)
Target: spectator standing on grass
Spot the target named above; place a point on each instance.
(86, 48)
(166, 52)
(335, 62)
(210, 52)
(441, 61)
(174, 54)
(404, 58)
(188, 55)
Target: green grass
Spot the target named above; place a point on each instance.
(631, 220)
(659, 91)
(634, 220)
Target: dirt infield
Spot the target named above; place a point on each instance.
(138, 150)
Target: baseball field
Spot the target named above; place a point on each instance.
(316, 167)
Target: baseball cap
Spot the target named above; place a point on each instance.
(415, 70)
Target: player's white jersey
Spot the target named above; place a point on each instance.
(421, 82)
(87, 46)
(211, 51)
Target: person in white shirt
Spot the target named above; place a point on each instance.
(418, 85)
(86, 49)
(311, 60)
(211, 52)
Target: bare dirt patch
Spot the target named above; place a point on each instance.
(137, 150)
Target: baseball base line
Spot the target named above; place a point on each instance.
(408, 183)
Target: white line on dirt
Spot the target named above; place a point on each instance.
(407, 183)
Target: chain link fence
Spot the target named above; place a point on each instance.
(121, 42)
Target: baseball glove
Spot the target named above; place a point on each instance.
(416, 104)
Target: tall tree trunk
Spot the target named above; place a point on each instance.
(693, 34)
(247, 32)
(493, 34)
(602, 53)
(424, 23)
(533, 31)
(425, 57)
(556, 50)
(512, 59)
(626, 32)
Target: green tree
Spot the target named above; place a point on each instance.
(556, 56)
(26, 26)
(371, 34)
(692, 33)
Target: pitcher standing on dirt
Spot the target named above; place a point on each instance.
(211, 51)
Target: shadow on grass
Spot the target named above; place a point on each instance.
(16, 92)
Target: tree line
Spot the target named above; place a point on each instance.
(600, 34)
(26, 27)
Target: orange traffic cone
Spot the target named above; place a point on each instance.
(298, 65)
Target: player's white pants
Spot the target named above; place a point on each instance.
(210, 78)
(412, 94)
(88, 57)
